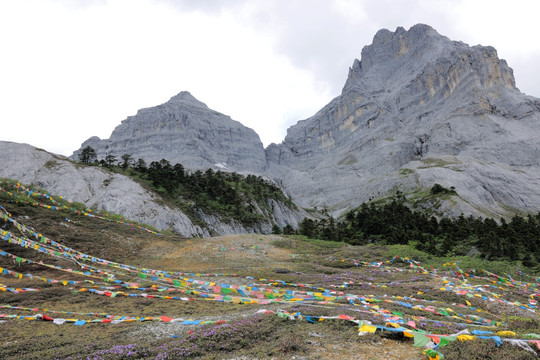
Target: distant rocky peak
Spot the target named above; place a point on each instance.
(186, 97)
(184, 130)
(400, 52)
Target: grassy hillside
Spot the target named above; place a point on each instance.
(79, 284)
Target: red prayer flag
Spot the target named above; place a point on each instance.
(435, 339)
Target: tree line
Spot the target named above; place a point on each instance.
(228, 194)
(396, 223)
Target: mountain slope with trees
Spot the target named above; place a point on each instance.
(397, 222)
(160, 194)
(246, 199)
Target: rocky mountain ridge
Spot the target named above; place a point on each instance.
(416, 109)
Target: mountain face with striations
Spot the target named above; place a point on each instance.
(416, 109)
(184, 130)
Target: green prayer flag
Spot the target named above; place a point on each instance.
(420, 340)
(445, 340)
(433, 354)
(282, 315)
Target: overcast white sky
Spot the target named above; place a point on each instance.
(71, 69)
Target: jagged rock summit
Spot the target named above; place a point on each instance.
(184, 130)
(418, 109)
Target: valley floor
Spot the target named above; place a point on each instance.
(138, 295)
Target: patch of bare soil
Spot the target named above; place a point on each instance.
(372, 349)
(218, 254)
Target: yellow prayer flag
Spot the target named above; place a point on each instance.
(465, 337)
(506, 333)
(368, 328)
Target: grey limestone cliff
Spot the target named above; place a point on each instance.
(183, 130)
(418, 109)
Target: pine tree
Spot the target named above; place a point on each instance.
(110, 160)
(87, 155)
(127, 160)
(140, 165)
(288, 230)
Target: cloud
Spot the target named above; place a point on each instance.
(527, 73)
(71, 73)
(72, 69)
(324, 37)
(207, 6)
